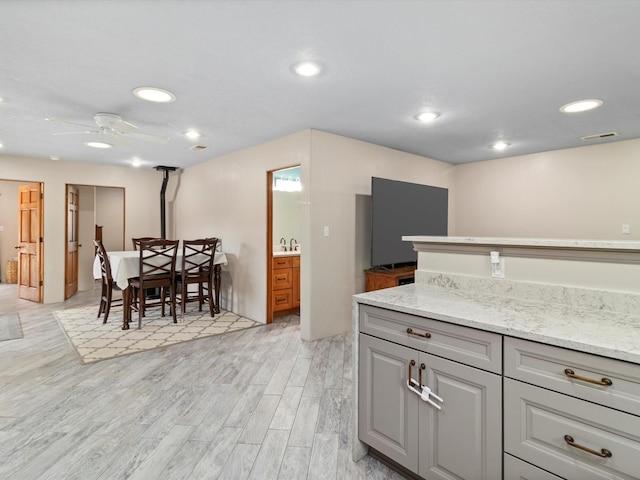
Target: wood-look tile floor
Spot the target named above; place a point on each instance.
(255, 404)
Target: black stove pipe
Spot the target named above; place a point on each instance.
(163, 214)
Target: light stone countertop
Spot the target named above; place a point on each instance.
(611, 334)
(528, 242)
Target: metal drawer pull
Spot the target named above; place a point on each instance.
(604, 453)
(604, 381)
(423, 335)
(412, 363)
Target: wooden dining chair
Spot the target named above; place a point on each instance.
(136, 241)
(197, 269)
(157, 267)
(108, 285)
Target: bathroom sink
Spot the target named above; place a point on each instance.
(281, 253)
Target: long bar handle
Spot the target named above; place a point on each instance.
(604, 381)
(412, 363)
(423, 335)
(603, 453)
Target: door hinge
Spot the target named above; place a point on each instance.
(41, 196)
(41, 240)
(41, 283)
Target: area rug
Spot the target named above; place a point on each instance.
(94, 341)
(10, 327)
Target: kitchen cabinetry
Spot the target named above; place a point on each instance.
(576, 414)
(285, 284)
(460, 437)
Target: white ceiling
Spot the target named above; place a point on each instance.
(494, 69)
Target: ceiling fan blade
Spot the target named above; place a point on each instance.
(146, 137)
(76, 133)
(59, 120)
(125, 126)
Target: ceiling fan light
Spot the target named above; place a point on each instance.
(98, 144)
(154, 94)
(581, 105)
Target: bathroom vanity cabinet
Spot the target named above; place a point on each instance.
(285, 284)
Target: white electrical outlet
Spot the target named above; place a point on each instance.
(326, 231)
(626, 229)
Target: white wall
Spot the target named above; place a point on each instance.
(141, 203)
(586, 192)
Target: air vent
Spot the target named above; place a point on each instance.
(600, 135)
(197, 148)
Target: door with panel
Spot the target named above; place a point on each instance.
(71, 256)
(30, 242)
(388, 411)
(460, 437)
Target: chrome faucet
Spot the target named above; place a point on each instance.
(283, 242)
(293, 242)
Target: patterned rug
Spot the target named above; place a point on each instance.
(94, 341)
(10, 327)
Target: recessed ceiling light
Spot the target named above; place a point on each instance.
(98, 144)
(426, 117)
(55, 158)
(154, 94)
(307, 69)
(500, 145)
(581, 106)
(1, 145)
(193, 134)
(136, 162)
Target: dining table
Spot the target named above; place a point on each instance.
(125, 265)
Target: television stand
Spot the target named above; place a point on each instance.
(379, 278)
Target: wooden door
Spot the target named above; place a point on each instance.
(71, 258)
(30, 242)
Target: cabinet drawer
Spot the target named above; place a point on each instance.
(463, 344)
(516, 469)
(282, 300)
(545, 365)
(282, 262)
(537, 420)
(282, 279)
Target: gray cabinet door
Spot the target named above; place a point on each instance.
(388, 410)
(463, 440)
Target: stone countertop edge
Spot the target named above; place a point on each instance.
(605, 333)
(528, 242)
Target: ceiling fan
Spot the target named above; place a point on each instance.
(112, 126)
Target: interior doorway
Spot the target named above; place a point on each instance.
(283, 258)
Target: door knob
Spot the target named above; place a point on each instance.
(18, 247)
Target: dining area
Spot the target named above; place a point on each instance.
(159, 274)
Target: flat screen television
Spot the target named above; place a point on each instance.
(403, 208)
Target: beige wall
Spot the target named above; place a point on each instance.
(341, 171)
(141, 203)
(9, 224)
(226, 197)
(586, 192)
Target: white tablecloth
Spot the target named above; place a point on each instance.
(124, 265)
